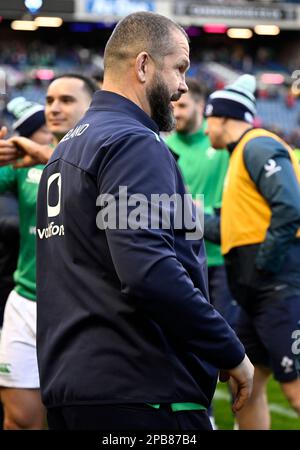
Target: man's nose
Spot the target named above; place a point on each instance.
(183, 87)
(55, 107)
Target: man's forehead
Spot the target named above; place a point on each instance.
(213, 119)
(179, 56)
(180, 42)
(65, 86)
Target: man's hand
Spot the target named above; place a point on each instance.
(33, 153)
(242, 377)
(9, 153)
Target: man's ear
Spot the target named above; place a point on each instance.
(142, 66)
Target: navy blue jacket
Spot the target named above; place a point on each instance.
(123, 314)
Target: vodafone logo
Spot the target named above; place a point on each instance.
(54, 210)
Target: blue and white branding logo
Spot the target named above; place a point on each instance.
(74, 132)
(118, 7)
(248, 117)
(296, 343)
(271, 167)
(54, 211)
(287, 363)
(209, 110)
(33, 5)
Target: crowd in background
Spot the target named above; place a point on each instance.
(29, 68)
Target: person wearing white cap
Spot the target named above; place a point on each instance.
(260, 239)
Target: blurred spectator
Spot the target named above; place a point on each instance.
(290, 100)
(98, 77)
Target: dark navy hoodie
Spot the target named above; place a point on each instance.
(123, 314)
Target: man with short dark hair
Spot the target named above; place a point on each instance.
(126, 336)
(66, 102)
(88, 84)
(67, 99)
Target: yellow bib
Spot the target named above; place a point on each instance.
(246, 215)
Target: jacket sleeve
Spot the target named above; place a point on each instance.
(145, 259)
(270, 167)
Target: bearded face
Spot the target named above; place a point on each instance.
(160, 99)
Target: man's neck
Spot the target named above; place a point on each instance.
(128, 92)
